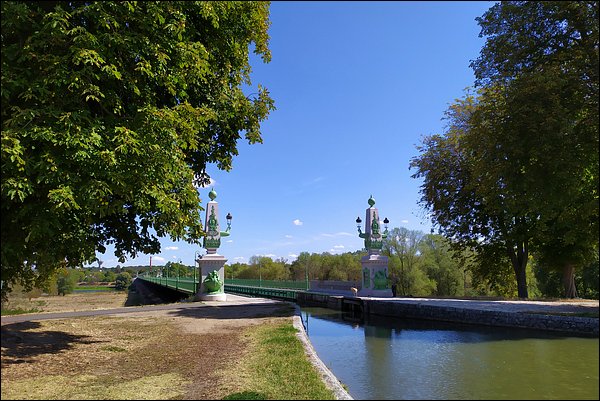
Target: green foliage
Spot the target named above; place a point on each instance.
(176, 269)
(587, 280)
(111, 112)
(325, 266)
(66, 281)
(540, 68)
(268, 269)
(550, 282)
(441, 267)
(18, 311)
(122, 281)
(402, 246)
(517, 168)
(109, 276)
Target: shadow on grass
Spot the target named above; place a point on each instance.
(22, 345)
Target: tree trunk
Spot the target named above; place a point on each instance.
(518, 257)
(569, 281)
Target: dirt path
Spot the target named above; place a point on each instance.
(175, 351)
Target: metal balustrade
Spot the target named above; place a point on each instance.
(298, 285)
(183, 284)
(277, 293)
(279, 289)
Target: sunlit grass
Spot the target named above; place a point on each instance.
(19, 311)
(278, 368)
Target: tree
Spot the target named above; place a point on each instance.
(469, 198)
(65, 282)
(109, 276)
(402, 247)
(177, 269)
(437, 261)
(122, 281)
(267, 269)
(111, 112)
(545, 55)
(523, 155)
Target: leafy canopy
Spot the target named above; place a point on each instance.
(111, 112)
(518, 165)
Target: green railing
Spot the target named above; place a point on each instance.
(296, 285)
(281, 289)
(183, 284)
(278, 293)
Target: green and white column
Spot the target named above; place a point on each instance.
(212, 265)
(375, 281)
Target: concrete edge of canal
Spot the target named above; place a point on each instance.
(444, 311)
(561, 324)
(330, 380)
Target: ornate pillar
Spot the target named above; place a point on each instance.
(375, 281)
(212, 265)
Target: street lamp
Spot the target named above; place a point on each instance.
(195, 263)
(229, 218)
(306, 276)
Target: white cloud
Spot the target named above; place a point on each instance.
(158, 258)
(171, 248)
(239, 258)
(229, 240)
(297, 222)
(292, 255)
(339, 246)
(404, 221)
(288, 236)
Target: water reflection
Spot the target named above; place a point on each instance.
(386, 358)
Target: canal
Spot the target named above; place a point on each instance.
(390, 358)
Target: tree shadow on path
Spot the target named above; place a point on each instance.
(20, 344)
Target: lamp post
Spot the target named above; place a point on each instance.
(195, 264)
(374, 265)
(211, 277)
(306, 276)
(229, 217)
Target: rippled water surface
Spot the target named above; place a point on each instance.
(387, 358)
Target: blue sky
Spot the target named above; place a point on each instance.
(356, 86)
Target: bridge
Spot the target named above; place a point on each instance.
(558, 316)
(278, 289)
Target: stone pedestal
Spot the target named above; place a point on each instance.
(209, 263)
(374, 276)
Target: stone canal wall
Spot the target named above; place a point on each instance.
(567, 324)
(423, 310)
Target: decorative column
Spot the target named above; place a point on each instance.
(212, 276)
(374, 265)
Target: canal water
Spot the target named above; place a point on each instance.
(395, 359)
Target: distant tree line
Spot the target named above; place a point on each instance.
(421, 265)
